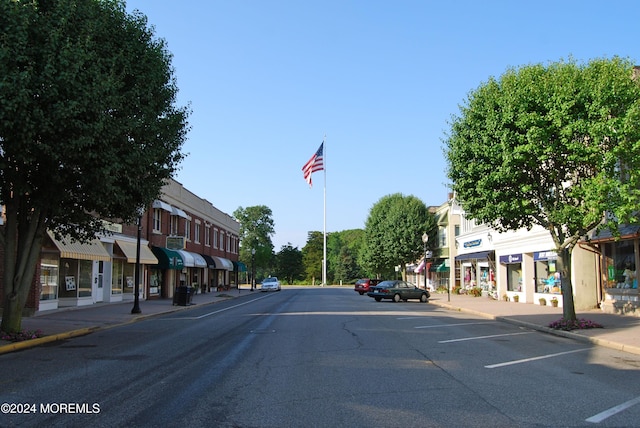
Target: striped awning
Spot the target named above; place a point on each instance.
(129, 249)
(92, 250)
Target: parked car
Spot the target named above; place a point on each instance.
(270, 284)
(397, 290)
(362, 285)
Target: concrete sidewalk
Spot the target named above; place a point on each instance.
(619, 332)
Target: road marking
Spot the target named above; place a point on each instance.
(484, 337)
(526, 360)
(453, 325)
(221, 310)
(612, 411)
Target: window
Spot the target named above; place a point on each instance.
(116, 277)
(196, 232)
(49, 280)
(207, 235)
(157, 220)
(215, 238)
(442, 237)
(221, 241)
(514, 277)
(174, 225)
(187, 229)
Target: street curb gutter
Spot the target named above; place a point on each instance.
(592, 340)
(32, 343)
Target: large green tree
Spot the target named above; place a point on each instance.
(289, 265)
(554, 145)
(88, 126)
(256, 229)
(312, 255)
(393, 232)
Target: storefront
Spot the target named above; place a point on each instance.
(476, 270)
(513, 266)
(124, 265)
(71, 272)
(165, 276)
(619, 258)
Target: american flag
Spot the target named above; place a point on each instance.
(316, 163)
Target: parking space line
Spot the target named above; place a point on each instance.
(484, 337)
(527, 360)
(454, 325)
(612, 411)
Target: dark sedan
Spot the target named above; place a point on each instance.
(397, 290)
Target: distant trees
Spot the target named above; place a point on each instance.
(289, 267)
(256, 230)
(393, 233)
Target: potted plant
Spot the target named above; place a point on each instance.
(516, 298)
(543, 301)
(505, 297)
(554, 302)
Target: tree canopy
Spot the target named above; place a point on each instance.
(256, 230)
(89, 129)
(393, 232)
(553, 145)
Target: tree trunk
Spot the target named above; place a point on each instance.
(564, 267)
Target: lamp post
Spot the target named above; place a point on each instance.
(425, 239)
(136, 274)
(253, 268)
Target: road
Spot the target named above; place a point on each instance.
(319, 357)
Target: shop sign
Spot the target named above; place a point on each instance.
(175, 242)
(545, 255)
(511, 258)
(474, 243)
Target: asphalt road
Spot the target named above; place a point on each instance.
(319, 358)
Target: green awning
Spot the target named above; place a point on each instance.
(239, 266)
(442, 268)
(168, 259)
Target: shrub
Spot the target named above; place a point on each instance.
(475, 291)
(20, 336)
(568, 325)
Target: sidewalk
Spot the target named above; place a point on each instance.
(619, 332)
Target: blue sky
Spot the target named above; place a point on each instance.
(268, 79)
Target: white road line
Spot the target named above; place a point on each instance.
(612, 411)
(484, 337)
(221, 310)
(453, 325)
(526, 360)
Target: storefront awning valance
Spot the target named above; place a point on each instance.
(93, 250)
(161, 205)
(239, 266)
(168, 259)
(442, 268)
(130, 251)
(471, 256)
(211, 264)
(178, 212)
(192, 259)
(222, 263)
(625, 232)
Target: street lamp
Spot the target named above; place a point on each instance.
(425, 239)
(253, 268)
(136, 274)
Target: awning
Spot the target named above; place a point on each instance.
(470, 256)
(130, 251)
(239, 266)
(93, 250)
(168, 259)
(210, 262)
(192, 259)
(624, 232)
(222, 263)
(433, 266)
(178, 212)
(420, 267)
(442, 268)
(162, 205)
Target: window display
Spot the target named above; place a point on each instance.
(48, 281)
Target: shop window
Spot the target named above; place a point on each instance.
(514, 277)
(84, 278)
(547, 276)
(48, 281)
(621, 267)
(157, 220)
(128, 270)
(116, 277)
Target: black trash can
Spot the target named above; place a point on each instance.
(182, 296)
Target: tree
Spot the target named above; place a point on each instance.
(289, 264)
(342, 253)
(312, 255)
(88, 127)
(555, 146)
(256, 230)
(393, 232)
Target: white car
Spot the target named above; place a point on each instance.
(270, 284)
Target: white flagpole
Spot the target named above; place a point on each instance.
(324, 250)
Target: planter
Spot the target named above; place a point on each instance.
(516, 298)
(543, 301)
(554, 303)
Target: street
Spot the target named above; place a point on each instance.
(319, 357)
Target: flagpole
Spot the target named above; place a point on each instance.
(324, 234)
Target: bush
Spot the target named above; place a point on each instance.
(475, 291)
(20, 336)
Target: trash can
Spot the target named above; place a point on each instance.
(182, 296)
